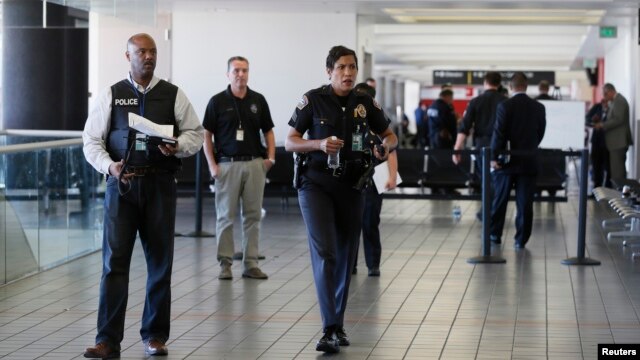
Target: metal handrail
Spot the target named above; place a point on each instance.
(43, 145)
(42, 133)
(8, 149)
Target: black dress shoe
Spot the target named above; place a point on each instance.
(495, 239)
(518, 246)
(343, 339)
(479, 216)
(354, 271)
(373, 272)
(101, 351)
(155, 347)
(328, 343)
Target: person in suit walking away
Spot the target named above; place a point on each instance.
(617, 131)
(520, 122)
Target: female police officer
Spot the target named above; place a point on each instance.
(336, 119)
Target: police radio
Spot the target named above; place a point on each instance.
(368, 166)
(299, 161)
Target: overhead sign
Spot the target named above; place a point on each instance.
(476, 77)
(608, 32)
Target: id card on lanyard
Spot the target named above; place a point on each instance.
(141, 143)
(239, 131)
(357, 137)
(357, 140)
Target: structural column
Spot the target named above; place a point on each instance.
(45, 67)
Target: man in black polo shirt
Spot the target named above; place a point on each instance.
(238, 161)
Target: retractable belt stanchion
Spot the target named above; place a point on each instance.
(582, 215)
(198, 231)
(486, 256)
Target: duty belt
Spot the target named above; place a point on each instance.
(340, 171)
(146, 170)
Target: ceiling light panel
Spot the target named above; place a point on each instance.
(496, 16)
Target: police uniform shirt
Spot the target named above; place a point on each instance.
(441, 117)
(320, 113)
(480, 115)
(226, 114)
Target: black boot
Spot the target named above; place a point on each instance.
(328, 343)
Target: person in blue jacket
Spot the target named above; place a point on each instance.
(442, 121)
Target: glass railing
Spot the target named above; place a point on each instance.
(50, 202)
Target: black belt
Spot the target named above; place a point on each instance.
(349, 166)
(146, 170)
(237, 158)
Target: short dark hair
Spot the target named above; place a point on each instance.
(609, 87)
(493, 78)
(337, 52)
(364, 88)
(544, 85)
(236, 58)
(446, 92)
(519, 80)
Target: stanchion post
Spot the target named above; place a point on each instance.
(582, 214)
(486, 257)
(198, 231)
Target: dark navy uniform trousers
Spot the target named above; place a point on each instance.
(525, 186)
(148, 208)
(371, 228)
(333, 216)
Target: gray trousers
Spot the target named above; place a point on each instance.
(239, 183)
(617, 160)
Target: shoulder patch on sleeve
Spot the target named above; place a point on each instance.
(303, 102)
(375, 103)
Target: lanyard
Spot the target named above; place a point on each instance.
(235, 106)
(135, 89)
(141, 101)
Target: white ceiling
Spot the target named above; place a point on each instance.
(412, 38)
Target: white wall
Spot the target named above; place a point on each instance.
(411, 101)
(619, 71)
(617, 62)
(286, 52)
(366, 40)
(107, 45)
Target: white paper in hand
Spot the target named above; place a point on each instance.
(381, 177)
(150, 128)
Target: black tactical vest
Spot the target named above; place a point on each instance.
(159, 105)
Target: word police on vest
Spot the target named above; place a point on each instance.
(126, 102)
(618, 351)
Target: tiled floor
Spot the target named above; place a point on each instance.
(428, 303)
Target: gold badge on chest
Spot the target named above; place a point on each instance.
(361, 111)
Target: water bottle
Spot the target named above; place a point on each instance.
(457, 212)
(333, 160)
